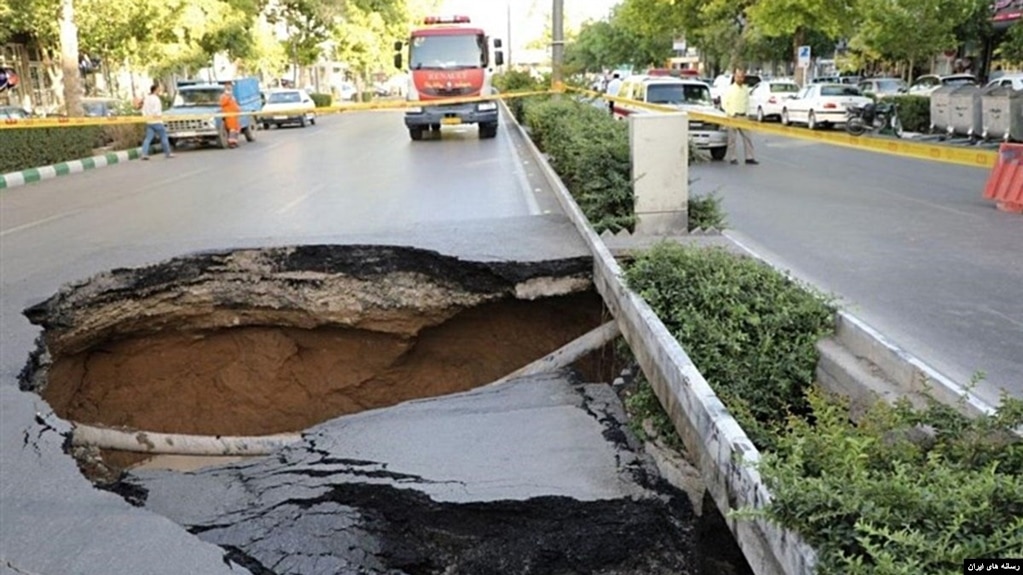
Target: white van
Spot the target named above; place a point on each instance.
(685, 95)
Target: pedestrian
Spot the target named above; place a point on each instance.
(736, 105)
(228, 105)
(612, 89)
(152, 111)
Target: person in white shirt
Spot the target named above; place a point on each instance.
(152, 111)
(613, 87)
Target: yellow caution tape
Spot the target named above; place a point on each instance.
(61, 122)
(964, 156)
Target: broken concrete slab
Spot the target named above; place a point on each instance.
(54, 521)
(531, 476)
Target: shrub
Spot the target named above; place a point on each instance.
(123, 136)
(705, 212)
(590, 152)
(914, 112)
(889, 497)
(517, 81)
(33, 147)
(322, 100)
(751, 331)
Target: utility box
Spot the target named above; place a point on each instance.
(660, 172)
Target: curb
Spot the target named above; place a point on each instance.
(722, 452)
(15, 179)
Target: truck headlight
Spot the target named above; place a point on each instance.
(211, 123)
(487, 106)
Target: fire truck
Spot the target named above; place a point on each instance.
(449, 59)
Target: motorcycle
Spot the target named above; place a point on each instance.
(877, 119)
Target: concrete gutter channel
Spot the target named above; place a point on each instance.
(857, 362)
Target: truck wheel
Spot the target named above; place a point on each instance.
(250, 134)
(266, 125)
(488, 130)
(416, 133)
(222, 137)
(718, 154)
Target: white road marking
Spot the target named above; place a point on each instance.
(36, 223)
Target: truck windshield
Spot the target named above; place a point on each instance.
(447, 52)
(691, 94)
(209, 97)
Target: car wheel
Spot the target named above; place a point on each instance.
(811, 121)
(312, 119)
(760, 114)
(302, 122)
(784, 117)
(718, 154)
(266, 125)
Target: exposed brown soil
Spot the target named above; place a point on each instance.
(257, 380)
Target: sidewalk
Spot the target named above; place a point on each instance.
(15, 179)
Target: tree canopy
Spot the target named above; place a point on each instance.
(742, 31)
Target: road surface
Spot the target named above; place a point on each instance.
(909, 246)
(354, 178)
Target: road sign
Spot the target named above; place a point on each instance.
(804, 56)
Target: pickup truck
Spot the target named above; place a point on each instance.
(203, 99)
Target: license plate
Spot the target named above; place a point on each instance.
(450, 121)
(280, 117)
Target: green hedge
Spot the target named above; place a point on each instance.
(914, 112)
(24, 148)
(749, 330)
(518, 81)
(900, 491)
(590, 152)
(322, 100)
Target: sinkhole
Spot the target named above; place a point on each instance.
(254, 342)
(264, 341)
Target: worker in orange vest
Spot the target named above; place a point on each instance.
(228, 105)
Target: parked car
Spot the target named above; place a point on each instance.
(819, 105)
(14, 113)
(883, 86)
(767, 98)
(928, 83)
(852, 80)
(680, 93)
(103, 107)
(1014, 81)
(722, 82)
(288, 106)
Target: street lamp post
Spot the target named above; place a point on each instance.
(508, 39)
(558, 41)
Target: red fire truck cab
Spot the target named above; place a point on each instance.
(448, 59)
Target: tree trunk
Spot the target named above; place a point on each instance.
(797, 40)
(69, 59)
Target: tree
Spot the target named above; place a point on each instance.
(910, 31)
(797, 19)
(1011, 48)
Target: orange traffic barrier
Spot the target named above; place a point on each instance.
(1005, 185)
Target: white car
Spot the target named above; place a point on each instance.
(1014, 81)
(822, 104)
(681, 94)
(767, 99)
(288, 106)
(928, 83)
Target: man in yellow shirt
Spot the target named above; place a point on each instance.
(736, 103)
